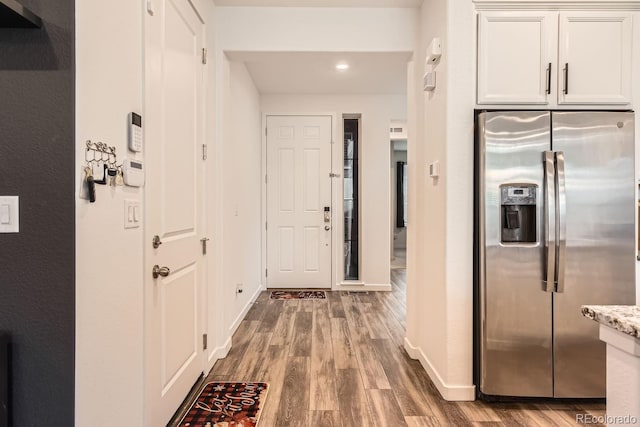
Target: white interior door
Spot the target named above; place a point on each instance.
(298, 191)
(174, 206)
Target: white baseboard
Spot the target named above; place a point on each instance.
(243, 313)
(449, 392)
(222, 351)
(361, 287)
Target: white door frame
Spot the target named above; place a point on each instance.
(336, 187)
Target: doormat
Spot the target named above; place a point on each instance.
(298, 295)
(227, 404)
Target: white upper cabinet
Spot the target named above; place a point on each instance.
(553, 59)
(594, 58)
(515, 53)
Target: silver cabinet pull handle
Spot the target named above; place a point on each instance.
(160, 271)
(549, 78)
(565, 72)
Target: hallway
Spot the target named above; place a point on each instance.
(340, 362)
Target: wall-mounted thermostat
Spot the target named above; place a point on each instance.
(135, 132)
(133, 172)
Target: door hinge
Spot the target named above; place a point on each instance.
(204, 245)
(204, 151)
(266, 273)
(334, 175)
(265, 179)
(204, 55)
(265, 226)
(265, 132)
(204, 341)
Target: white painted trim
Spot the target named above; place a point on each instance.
(346, 286)
(236, 323)
(220, 352)
(556, 5)
(452, 393)
(263, 214)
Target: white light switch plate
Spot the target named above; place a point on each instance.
(132, 213)
(9, 214)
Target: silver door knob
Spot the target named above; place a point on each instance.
(160, 271)
(326, 227)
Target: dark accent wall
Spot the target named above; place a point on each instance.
(37, 163)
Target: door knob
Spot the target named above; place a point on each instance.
(160, 271)
(326, 227)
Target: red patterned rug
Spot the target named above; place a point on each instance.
(298, 295)
(227, 404)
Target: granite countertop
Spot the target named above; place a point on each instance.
(624, 318)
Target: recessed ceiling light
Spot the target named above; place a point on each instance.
(342, 66)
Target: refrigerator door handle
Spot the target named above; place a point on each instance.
(561, 208)
(549, 273)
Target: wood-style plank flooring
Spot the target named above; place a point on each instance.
(341, 362)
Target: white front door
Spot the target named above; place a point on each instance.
(174, 192)
(298, 193)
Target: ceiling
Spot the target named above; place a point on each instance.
(321, 3)
(315, 72)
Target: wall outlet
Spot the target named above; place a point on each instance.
(239, 287)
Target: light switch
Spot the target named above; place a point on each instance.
(132, 216)
(5, 214)
(9, 214)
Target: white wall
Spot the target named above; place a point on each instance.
(109, 259)
(241, 208)
(109, 280)
(377, 112)
(440, 312)
(316, 29)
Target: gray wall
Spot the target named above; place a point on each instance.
(37, 266)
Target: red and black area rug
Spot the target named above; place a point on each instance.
(227, 404)
(298, 295)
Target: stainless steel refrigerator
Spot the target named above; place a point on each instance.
(555, 219)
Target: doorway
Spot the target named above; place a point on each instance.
(298, 201)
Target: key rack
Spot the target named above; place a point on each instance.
(99, 152)
(101, 167)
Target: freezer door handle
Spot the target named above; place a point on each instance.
(561, 209)
(549, 273)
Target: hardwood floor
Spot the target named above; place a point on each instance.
(341, 362)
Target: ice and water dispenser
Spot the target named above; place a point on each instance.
(518, 213)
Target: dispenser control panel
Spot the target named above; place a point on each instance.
(521, 195)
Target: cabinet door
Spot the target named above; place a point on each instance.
(515, 55)
(594, 65)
